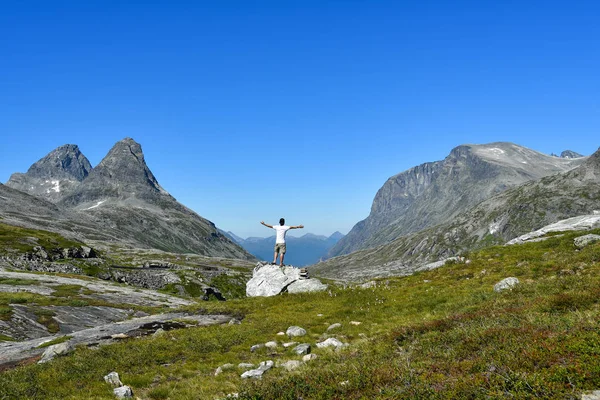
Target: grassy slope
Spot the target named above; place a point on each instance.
(440, 334)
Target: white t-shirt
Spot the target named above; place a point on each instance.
(281, 230)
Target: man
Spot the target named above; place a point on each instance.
(280, 239)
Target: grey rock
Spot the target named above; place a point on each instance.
(295, 331)
(582, 241)
(579, 223)
(289, 344)
(271, 280)
(334, 326)
(113, 379)
(309, 357)
(302, 349)
(306, 285)
(245, 365)
(331, 342)
(55, 350)
(123, 392)
(368, 285)
(506, 284)
(271, 345)
(258, 373)
(159, 332)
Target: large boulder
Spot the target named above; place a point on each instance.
(270, 280)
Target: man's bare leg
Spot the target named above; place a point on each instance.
(274, 258)
(281, 255)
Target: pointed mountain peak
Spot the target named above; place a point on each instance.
(570, 154)
(50, 177)
(125, 163)
(64, 162)
(336, 235)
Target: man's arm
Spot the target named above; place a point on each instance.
(297, 227)
(267, 225)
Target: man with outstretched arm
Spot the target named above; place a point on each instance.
(281, 230)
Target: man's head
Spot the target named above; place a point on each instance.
(281, 221)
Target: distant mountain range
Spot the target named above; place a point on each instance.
(119, 200)
(435, 192)
(495, 220)
(304, 250)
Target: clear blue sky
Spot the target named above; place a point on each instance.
(252, 110)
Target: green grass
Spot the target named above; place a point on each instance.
(437, 335)
(14, 239)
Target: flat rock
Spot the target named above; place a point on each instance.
(123, 392)
(580, 223)
(55, 350)
(582, 241)
(334, 326)
(302, 349)
(306, 285)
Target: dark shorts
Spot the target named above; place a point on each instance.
(280, 248)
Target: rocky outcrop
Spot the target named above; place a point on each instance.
(579, 223)
(433, 193)
(270, 280)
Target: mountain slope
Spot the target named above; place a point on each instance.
(53, 175)
(434, 192)
(494, 221)
(118, 200)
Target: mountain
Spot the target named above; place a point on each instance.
(304, 250)
(570, 154)
(435, 192)
(120, 199)
(496, 220)
(50, 177)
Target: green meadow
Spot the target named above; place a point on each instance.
(441, 334)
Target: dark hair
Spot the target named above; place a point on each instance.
(281, 221)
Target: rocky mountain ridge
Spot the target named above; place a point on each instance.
(118, 200)
(500, 218)
(435, 192)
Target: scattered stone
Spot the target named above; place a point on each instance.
(331, 342)
(319, 315)
(280, 333)
(234, 321)
(113, 379)
(303, 348)
(55, 350)
(224, 367)
(271, 345)
(291, 365)
(506, 283)
(258, 373)
(123, 392)
(344, 383)
(294, 331)
(309, 357)
(289, 344)
(245, 365)
(582, 241)
(595, 395)
(355, 323)
(256, 347)
(334, 326)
